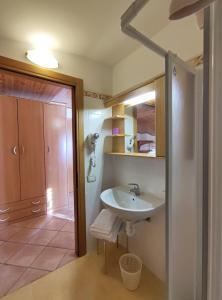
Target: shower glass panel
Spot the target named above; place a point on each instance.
(183, 182)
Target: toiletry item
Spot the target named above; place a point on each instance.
(115, 131)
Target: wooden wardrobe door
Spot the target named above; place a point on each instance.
(9, 154)
(56, 160)
(31, 140)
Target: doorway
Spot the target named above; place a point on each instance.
(46, 189)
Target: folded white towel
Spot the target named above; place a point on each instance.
(112, 236)
(104, 221)
(112, 230)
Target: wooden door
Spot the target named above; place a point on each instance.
(9, 153)
(69, 149)
(56, 156)
(31, 140)
(70, 157)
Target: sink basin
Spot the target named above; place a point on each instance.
(130, 207)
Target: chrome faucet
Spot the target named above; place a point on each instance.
(135, 188)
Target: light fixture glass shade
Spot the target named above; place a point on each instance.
(146, 97)
(42, 58)
(183, 8)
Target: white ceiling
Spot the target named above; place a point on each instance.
(90, 28)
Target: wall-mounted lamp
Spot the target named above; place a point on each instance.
(140, 99)
(42, 58)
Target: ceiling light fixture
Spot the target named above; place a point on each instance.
(42, 58)
(141, 98)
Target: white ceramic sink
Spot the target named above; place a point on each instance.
(130, 207)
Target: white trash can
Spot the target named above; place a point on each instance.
(130, 267)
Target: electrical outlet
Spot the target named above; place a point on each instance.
(91, 178)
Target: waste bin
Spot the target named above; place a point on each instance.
(130, 267)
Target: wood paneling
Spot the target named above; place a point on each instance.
(9, 151)
(56, 156)
(28, 87)
(69, 149)
(160, 117)
(31, 140)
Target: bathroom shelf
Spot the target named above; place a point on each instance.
(134, 154)
(117, 117)
(120, 135)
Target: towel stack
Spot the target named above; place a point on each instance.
(106, 226)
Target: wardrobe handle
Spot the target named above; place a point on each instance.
(4, 220)
(36, 211)
(22, 149)
(37, 202)
(4, 210)
(14, 150)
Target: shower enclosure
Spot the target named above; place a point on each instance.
(186, 243)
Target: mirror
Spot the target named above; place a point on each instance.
(140, 128)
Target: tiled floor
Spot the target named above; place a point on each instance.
(33, 248)
(84, 279)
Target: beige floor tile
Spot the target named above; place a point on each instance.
(27, 277)
(84, 279)
(69, 256)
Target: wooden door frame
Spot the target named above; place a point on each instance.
(78, 138)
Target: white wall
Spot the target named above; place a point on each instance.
(182, 37)
(94, 121)
(97, 77)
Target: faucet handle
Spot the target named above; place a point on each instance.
(134, 184)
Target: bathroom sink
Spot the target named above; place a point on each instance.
(130, 207)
